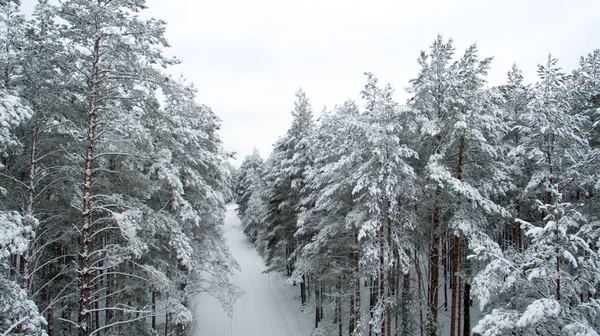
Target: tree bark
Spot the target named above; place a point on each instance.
(355, 311)
(303, 291)
(50, 319)
(467, 310)
(168, 315)
(454, 284)
(85, 243)
(154, 309)
(389, 281)
(405, 302)
(29, 202)
(434, 261)
(382, 277)
(317, 301)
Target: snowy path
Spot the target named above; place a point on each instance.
(268, 306)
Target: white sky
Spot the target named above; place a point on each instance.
(248, 57)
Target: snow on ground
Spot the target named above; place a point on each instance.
(268, 307)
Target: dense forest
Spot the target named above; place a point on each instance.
(467, 200)
(113, 177)
(466, 210)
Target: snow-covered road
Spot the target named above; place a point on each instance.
(267, 307)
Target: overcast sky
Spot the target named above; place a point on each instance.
(248, 57)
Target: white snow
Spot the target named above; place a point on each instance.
(268, 307)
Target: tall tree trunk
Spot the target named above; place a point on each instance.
(308, 283)
(26, 260)
(322, 294)
(455, 325)
(405, 304)
(459, 307)
(337, 319)
(154, 309)
(373, 288)
(445, 266)
(85, 242)
(168, 315)
(382, 285)
(420, 285)
(97, 318)
(108, 302)
(389, 281)
(355, 309)
(352, 317)
(455, 287)
(181, 327)
(517, 233)
(357, 299)
(434, 271)
(467, 310)
(50, 318)
(317, 301)
(97, 288)
(303, 291)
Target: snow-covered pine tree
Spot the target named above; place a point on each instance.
(82, 102)
(516, 97)
(358, 205)
(20, 315)
(384, 193)
(250, 168)
(549, 287)
(331, 254)
(186, 200)
(284, 179)
(584, 89)
(249, 189)
(461, 128)
(110, 61)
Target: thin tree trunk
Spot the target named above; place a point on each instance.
(29, 205)
(389, 281)
(317, 310)
(405, 303)
(50, 319)
(455, 324)
(355, 309)
(352, 317)
(445, 262)
(454, 284)
(420, 286)
(108, 303)
(181, 327)
(307, 288)
(154, 309)
(467, 310)
(397, 289)
(321, 292)
(434, 271)
(382, 273)
(168, 315)
(459, 307)
(303, 290)
(97, 318)
(338, 306)
(373, 285)
(85, 243)
(97, 286)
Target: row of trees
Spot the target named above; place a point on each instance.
(112, 176)
(398, 217)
